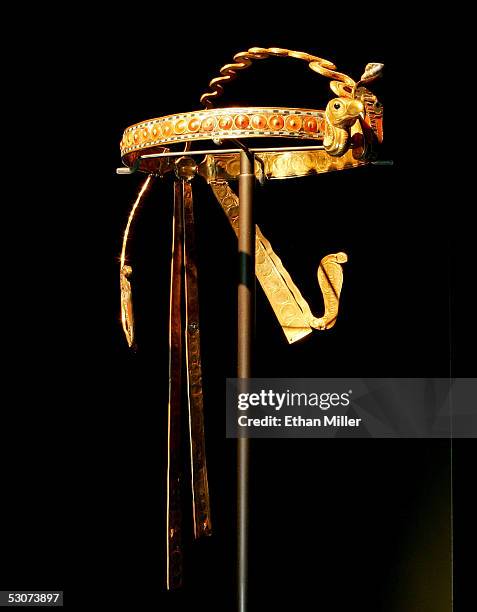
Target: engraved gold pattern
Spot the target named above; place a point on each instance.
(289, 306)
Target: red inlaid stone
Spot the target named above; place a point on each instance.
(194, 125)
(180, 126)
(166, 129)
(242, 122)
(136, 136)
(276, 122)
(310, 124)
(208, 124)
(225, 122)
(145, 134)
(293, 123)
(379, 129)
(156, 131)
(259, 122)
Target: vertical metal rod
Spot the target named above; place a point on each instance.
(246, 247)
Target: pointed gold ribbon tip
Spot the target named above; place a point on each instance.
(125, 271)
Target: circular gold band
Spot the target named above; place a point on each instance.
(221, 124)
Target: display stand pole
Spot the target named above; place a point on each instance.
(246, 252)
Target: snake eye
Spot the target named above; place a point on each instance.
(337, 105)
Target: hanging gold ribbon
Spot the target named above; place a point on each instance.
(125, 272)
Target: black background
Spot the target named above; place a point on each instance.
(362, 523)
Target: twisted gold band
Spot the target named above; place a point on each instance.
(244, 59)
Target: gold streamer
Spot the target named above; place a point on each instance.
(125, 271)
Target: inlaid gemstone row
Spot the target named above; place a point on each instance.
(180, 126)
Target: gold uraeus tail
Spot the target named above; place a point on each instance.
(290, 307)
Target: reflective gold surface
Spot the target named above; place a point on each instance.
(244, 59)
(341, 113)
(289, 306)
(291, 309)
(125, 272)
(223, 124)
(277, 165)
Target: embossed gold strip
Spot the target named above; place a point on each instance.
(290, 307)
(277, 165)
(290, 316)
